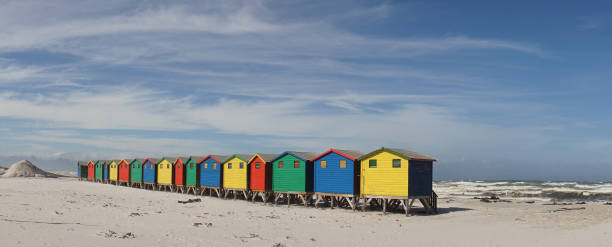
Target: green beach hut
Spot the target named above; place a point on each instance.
(191, 173)
(98, 170)
(136, 173)
(292, 176)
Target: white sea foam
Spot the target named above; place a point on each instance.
(526, 189)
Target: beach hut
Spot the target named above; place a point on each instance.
(192, 180)
(179, 174)
(235, 175)
(260, 177)
(113, 171)
(292, 176)
(82, 169)
(124, 173)
(136, 173)
(211, 174)
(165, 174)
(149, 173)
(98, 171)
(91, 171)
(335, 177)
(105, 176)
(395, 178)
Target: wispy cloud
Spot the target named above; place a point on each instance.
(594, 21)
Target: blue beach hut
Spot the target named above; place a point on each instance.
(105, 170)
(211, 173)
(335, 177)
(149, 173)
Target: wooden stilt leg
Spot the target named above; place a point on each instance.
(363, 205)
(384, 203)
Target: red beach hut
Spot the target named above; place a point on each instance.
(91, 171)
(260, 170)
(124, 173)
(179, 173)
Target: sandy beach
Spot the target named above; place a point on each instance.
(68, 212)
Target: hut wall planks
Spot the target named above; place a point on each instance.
(179, 172)
(420, 178)
(191, 172)
(210, 173)
(290, 178)
(235, 173)
(258, 174)
(98, 170)
(136, 172)
(148, 171)
(124, 171)
(113, 171)
(331, 178)
(105, 169)
(384, 179)
(91, 170)
(164, 172)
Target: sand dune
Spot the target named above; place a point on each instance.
(68, 212)
(25, 168)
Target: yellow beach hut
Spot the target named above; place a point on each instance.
(396, 177)
(165, 173)
(113, 171)
(235, 175)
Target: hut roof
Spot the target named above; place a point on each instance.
(304, 156)
(183, 159)
(218, 158)
(264, 157)
(405, 153)
(197, 159)
(153, 160)
(169, 159)
(140, 160)
(82, 163)
(349, 154)
(243, 157)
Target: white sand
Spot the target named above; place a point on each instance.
(68, 212)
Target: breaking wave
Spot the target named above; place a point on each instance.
(573, 191)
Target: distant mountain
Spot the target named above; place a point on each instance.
(49, 164)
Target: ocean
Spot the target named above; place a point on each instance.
(532, 190)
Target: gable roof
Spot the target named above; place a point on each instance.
(264, 157)
(196, 159)
(242, 157)
(404, 153)
(152, 160)
(169, 159)
(140, 160)
(182, 159)
(304, 156)
(215, 157)
(349, 154)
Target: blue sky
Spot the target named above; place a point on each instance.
(515, 90)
